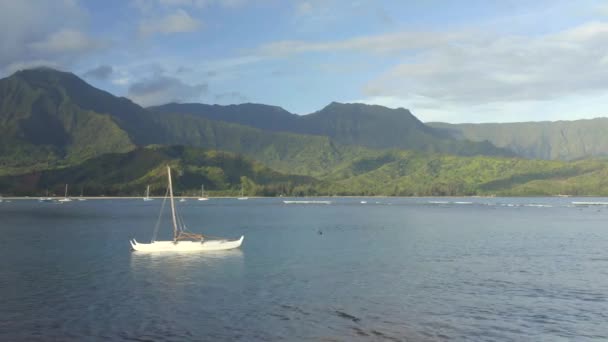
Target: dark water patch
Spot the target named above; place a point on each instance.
(359, 331)
(344, 315)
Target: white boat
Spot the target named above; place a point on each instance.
(47, 198)
(203, 196)
(590, 203)
(307, 202)
(65, 197)
(147, 197)
(242, 197)
(182, 200)
(81, 194)
(183, 240)
(363, 202)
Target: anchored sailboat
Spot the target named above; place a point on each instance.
(65, 197)
(203, 196)
(243, 197)
(147, 197)
(182, 239)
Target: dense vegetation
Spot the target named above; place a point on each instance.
(129, 173)
(393, 173)
(346, 124)
(57, 129)
(563, 140)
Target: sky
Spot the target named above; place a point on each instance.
(451, 61)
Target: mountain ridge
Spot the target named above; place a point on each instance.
(53, 118)
(563, 139)
(370, 126)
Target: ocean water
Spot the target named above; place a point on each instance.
(392, 269)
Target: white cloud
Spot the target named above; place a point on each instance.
(304, 7)
(102, 72)
(121, 81)
(177, 22)
(24, 33)
(381, 44)
(66, 41)
(507, 68)
(16, 66)
(161, 89)
(147, 5)
(475, 67)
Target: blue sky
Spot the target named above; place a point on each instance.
(454, 61)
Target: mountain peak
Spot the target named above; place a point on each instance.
(42, 70)
(363, 106)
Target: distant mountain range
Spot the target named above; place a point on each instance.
(55, 129)
(357, 124)
(563, 140)
(51, 118)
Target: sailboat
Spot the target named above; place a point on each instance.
(243, 197)
(203, 196)
(65, 197)
(81, 193)
(47, 198)
(183, 240)
(147, 197)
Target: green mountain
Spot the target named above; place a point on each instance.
(129, 173)
(563, 140)
(403, 173)
(54, 119)
(348, 124)
(41, 125)
(56, 129)
(392, 173)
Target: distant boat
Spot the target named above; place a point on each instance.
(81, 193)
(182, 200)
(203, 196)
(65, 197)
(147, 197)
(307, 202)
(363, 202)
(242, 197)
(590, 203)
(47, 198)
(183, 240)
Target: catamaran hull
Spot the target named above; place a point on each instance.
(186, 246)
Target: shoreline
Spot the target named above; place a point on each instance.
(55, 198)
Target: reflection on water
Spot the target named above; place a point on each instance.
(185, 261)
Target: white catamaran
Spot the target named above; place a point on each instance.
(183, 240)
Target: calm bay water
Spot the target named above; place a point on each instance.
(411, 269)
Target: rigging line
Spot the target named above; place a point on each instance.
(160, 214)
(182, 224)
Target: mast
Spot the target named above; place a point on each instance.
(66, 191)
(148, 191)
(202, 190)
(172, 204)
